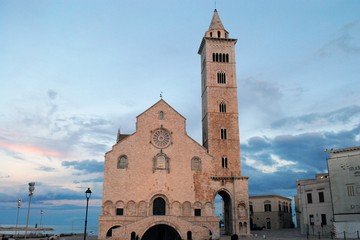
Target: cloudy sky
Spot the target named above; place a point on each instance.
(73, 72)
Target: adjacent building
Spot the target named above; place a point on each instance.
(313, 205)
(344, 172)
(159, 183)
(270, 212)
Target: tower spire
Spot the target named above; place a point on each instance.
(216, 23)
(216, 28)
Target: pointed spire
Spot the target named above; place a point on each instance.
(216, 28)
(118, 136)
(216, 23)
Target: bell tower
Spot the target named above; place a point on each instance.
(220, 124)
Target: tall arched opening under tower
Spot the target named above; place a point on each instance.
(161, 232)
(225, 210)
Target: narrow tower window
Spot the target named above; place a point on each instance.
(227, 57)
(222, 107)
(224, 162)
(223, 133)
(210, 34)
(219, 34)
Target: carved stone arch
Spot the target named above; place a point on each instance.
(108, 208)
(120, 207)
(166, 227)
(142, 209)
(109, 232)
(120, 204)
(208, 209)
(196, 163)
(156, 199)
(161, 162)
(186, 209)
(242, 211)
(131, 208)
(197, 205)
(176, 208)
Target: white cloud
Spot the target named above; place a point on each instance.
(277, 164)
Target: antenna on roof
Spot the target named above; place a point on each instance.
(161, 94)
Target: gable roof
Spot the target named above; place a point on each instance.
(159, 102)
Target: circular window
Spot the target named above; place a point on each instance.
(161, 138)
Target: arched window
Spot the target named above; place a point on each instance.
(219, 34)
(227, 57)
(189, 235)
(213, 57)
(223, 133)
(161, 162)
(195, 163)
(210, 34)
(159, 206)
(217, 57)
(222, 107)
(122, 162)
(161, 115)
(224, 162)
(267, 206)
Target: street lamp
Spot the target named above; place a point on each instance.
(87, 194)
(17, 216)
(31, 191)
(41, 215)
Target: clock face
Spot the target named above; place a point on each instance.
(161, 138)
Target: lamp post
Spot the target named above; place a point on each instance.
(31, 191)
(17, 216)
(87, 194)
(41, 216)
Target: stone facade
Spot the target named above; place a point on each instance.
(313, 206)
(161, 184)
(270, 212)
(344, 173)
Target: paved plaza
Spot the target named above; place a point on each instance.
(279, 235)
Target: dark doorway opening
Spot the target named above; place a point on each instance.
(161, 232)
(223, 208)
(109, 232)
(159, 206)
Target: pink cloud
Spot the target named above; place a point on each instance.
(34, 150)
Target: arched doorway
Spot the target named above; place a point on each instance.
(159, 206)
(161, 232)
(223, 209)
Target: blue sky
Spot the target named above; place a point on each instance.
(73, 72)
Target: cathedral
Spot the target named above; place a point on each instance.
(161, 184)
